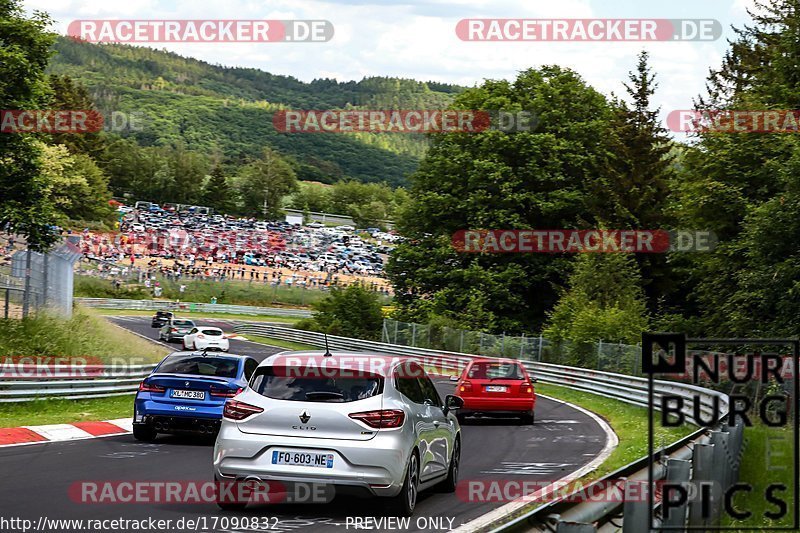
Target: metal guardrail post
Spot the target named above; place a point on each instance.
(677, 473)
(721, 465)
(26, 298)
(7, 304)
(737, 440)
(45, 268)
(575, 527)
(634, 511)
(729, 456)
(702, 467)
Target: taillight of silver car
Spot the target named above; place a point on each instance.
(236, 410)
(383, 419)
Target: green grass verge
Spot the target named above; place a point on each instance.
(40, 412)
(289, 345)
(628, 421)
(227, 292)
(767, 459)
(250, 318)
(85, 335)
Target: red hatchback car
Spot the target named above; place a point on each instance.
(496, 387)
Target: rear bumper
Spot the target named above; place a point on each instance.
(223, 345)
(181, 424)
(511, 405)
(148, 408)
(375, 466)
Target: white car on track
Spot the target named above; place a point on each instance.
(206, 337)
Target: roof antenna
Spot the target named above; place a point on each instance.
(327, 351)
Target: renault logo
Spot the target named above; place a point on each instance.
(305, 417)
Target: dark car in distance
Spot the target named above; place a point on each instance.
(161, 318)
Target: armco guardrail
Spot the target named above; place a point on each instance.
(708, 453)
(70, 382)
(629, 389)
(162, 305)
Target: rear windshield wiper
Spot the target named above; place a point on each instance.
(324, 395)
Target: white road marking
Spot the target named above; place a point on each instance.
(58, 432)
(493, 516)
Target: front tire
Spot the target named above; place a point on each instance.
(403, 504)
(144, 433)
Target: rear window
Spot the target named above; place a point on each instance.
(284, 383)
(496, 371)
(183, 323)
(199, 365)
(163, 314)
(212, 332)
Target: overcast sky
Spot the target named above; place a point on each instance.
(417, 39)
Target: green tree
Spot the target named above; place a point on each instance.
(604, 301)
(636, 194)
(68, 94)
(743, 187)
(353, 311)
(217, 193)
(530, 179)
(187, 170)
(76, 186)
(312, 197)
(264, 183)
(24, 203)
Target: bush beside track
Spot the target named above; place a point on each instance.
(85, 335)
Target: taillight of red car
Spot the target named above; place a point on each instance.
(235, 410)
(147, 387)
(526, 387)
(381, 419)
(466, 386)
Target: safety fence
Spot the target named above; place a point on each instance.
(600, 355)
(163, 305)
(34, 281)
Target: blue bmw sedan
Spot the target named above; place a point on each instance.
(187, 391)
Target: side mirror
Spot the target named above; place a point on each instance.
(451, 403)
(534, 380)
(454, 378)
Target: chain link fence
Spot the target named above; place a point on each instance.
(31, 281)
(601, 355)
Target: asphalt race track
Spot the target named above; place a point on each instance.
(36, 479)
(141, 325)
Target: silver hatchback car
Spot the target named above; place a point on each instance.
(365, 424)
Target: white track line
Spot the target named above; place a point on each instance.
(492, 516)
